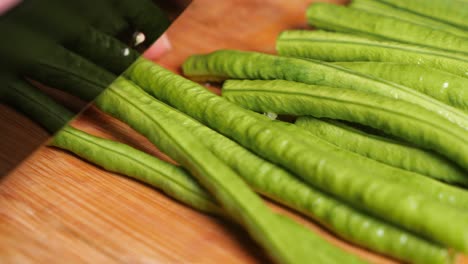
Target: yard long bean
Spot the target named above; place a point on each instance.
(121, 158)
(378, 7)
(395, 117)
(392, 152)
(330, 46)
(70, 72)
(344, 19)
(38, 106)
(443, 86)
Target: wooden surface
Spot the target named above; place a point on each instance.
(58, 208)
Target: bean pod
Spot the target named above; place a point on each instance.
(117, 157)
(441, 85)
(330, 46)
(392, 152)
(395, 117)
(344, 19)
(70, 72)
(453, 12)
(384, 9)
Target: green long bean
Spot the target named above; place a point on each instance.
(399, 118)
(378, 7)
(117, 157)
(70, 72)
(392, 152)
(443, 86)
(453, 11)
(330, 46)
(38, 106)
(344, 19)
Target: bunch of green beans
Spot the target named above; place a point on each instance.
(237, 202)
(313, 162)
(383, 194)
(129, 103)
(395, 69)
(264, 177)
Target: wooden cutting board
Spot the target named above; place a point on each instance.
(58, 208)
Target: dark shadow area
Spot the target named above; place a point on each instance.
(78, 47)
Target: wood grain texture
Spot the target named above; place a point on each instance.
(20, 136)
(58, 208)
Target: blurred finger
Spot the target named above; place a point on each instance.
(5, 5)
(159, 48)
